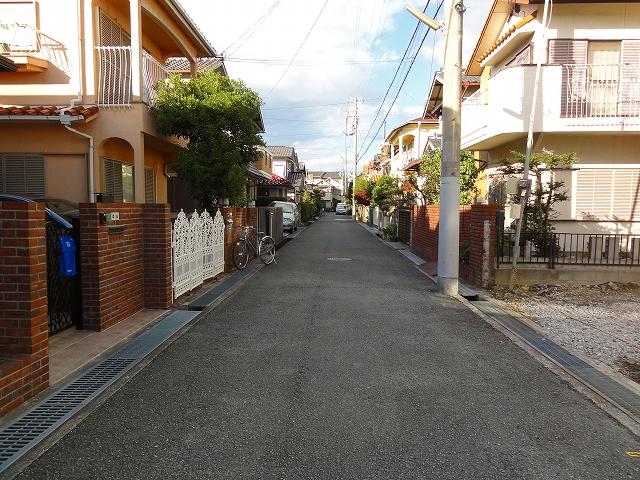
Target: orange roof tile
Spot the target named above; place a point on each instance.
(506, 35)
(49, 111)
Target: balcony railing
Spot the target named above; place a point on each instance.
(407, 157)
(153, 72)
(594, 91)
(585, 97)
(114, 76)
(24, 40)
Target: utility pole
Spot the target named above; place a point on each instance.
(449, 234)
(352, 129)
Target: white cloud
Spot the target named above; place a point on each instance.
(326, 78)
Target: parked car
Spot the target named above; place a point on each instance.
(290, 215)
(341, 209)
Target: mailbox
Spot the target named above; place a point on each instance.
(67, 256)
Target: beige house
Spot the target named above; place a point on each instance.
(406, 144)
(588, 103)
(77, 86)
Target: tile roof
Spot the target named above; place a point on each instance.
(277, 180)
(181, 64)
(506, 35)
(281, 151)
(295, 176)
(256, 173)
(48, 111)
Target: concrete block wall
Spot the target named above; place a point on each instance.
(24, 328)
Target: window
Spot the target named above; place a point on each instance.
(118, 181)
(22, 174)
(149, 186)
(111, 34)
(522, 58)
(611, 194)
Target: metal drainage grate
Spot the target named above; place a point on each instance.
(339, 259)
(26, 431)
(29, 429)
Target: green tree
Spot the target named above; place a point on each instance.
(426, 180)
(348, 196)
(218, 116)
(363, 189)
(539, 211)
(387, 193)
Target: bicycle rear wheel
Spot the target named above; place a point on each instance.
(240, 254)
(267, 250)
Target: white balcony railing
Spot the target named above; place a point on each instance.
(24, 40)
(571, 98)
(114, 76)
(407, 157)
(596, 91)
(153, 72)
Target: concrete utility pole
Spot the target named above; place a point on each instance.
(449, 234)
(354, 103)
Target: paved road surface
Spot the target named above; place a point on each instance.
(321, 369)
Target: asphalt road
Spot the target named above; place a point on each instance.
(322, 369)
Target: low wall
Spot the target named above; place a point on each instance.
(477, 239)
(125, 264)
(575, 275)
(24, 328)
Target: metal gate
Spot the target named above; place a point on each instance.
(63, 293)
(197, 250)
(404, 225)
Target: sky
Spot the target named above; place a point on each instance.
(340, 49)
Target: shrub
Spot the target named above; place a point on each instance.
(391, 232)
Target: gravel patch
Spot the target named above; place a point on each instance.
(600, 321)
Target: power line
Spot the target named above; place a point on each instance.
(306, 63)
(318, 105)
(415, 31)
(299, 48)
(402, 84)
(255, 26)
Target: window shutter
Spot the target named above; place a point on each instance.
(23, 175)
(630, 78)
(574, 78)
(111, 34)
(149, 186)
(113, 180)
(608, 194)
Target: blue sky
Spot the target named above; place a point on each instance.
(352, 50)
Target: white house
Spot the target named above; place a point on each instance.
(588, 103)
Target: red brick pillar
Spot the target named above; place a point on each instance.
(478, 253)
(24, 329)
(157, 255)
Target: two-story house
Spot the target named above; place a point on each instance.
(77, 92)
(330, 184)
(406, 144)
(287, 166)
(588, 103)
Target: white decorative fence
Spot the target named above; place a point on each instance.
(197, 250)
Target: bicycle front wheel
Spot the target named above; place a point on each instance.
(267, 250)
(240, 254)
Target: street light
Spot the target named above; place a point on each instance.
(449, 228)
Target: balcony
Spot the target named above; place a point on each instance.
(114, 77)
(571, 98)
(407, 157)
(31, 50)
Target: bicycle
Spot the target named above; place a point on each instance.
(265, 248)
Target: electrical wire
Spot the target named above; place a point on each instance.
(364, 151)
(395, 75)
(255, 26)
(274, 61)
(299, 48)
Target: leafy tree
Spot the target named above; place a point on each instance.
(218, 116)
(349, 194)
(363, 190)
(426, 180)
(539, 211)
(386, 194)
(307, 206)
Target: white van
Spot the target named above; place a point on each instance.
(290, 215)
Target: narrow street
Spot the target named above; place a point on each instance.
(341, 362)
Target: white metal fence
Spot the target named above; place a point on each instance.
(114, 76)
(153, 72)
(197, 250)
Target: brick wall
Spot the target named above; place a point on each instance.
(126, 264)
(24, 329)
(424, 238)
